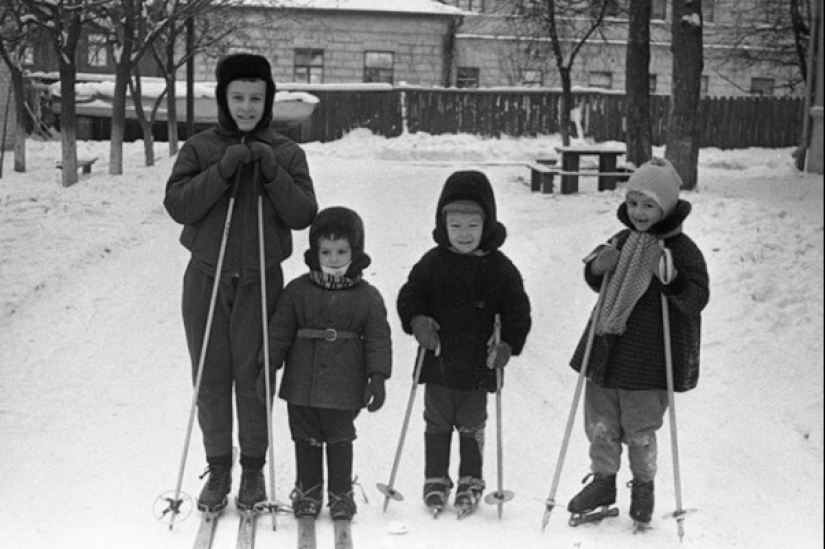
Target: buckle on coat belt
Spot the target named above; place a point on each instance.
(330, 334)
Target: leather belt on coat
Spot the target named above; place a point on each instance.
(329, 334)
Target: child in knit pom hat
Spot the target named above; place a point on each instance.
(626, 391)
(449, 303)
(330, 332)
(240, 162)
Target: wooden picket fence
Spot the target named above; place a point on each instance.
(725, 122)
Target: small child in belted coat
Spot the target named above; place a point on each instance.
(449, 303)
(330, 332)
(626, 394)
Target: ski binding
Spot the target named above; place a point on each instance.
(596, 515)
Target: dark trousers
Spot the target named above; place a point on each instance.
(446, 409)
(231, 361)
(311, 428)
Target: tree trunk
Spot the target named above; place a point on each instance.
(566, 105)
(20, 120)
(682, 147)
(122, 76)
(638, 133)
(68, 128)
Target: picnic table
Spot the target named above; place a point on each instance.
(607, 171)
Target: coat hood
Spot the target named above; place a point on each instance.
(470, 186)
(338, 222)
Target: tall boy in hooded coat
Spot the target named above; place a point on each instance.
(198, 192)
(449, 302)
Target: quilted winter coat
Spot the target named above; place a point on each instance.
(635, 360)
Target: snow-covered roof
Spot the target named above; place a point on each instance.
(396, 6)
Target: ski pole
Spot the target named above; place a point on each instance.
(272, 506)
(388, 489)
(500, 496)
(175, 502)
(594, 319)
(665, 274)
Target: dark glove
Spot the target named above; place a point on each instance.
(663, 268)
(498, 354)
(375, 393)
(260, 383)
(425, 330)
(606, 260)
(263, 153)
(233, 158)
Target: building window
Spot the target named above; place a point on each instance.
(600, 79)
(309, 66)
(762, 87)
(378, 66)
(467, 77)
(532, 78)
(658, 9)
(651, 86)
(471, 5)
(96, 55)
(612, 8)
(708, 7)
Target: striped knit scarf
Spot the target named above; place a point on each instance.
(628, 283)
(333, 282)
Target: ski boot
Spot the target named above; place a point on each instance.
(467, 495)
(213, 496)
(641, 504)
(306, 504)
(436, 494)
(342, 506)
(593, 503)
(252, 489)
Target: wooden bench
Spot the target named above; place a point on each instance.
(542, 173)
(84, 164)
(607, 171)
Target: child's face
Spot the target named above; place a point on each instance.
(334, 254)
(245, 99)
(464, 230)
(643, 211)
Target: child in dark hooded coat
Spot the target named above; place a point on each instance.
(449, 303)
(330, 332)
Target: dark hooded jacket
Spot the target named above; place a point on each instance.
(464, 292)
(635, 360)
(198, 197)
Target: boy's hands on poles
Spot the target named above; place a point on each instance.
(375, 394)
(263, 153)
(662, 266)
(606, 260)
(425, 330)
(233, 158)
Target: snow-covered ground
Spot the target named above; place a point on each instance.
(95, 390)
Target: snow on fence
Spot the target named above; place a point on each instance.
(725, 122)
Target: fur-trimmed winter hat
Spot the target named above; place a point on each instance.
(469, 190)
(657, 179)
(241, 66)
(334, 223)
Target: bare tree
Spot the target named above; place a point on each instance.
(569, 25)
(212, 26)
(15, 31)
(771, 36)
(682, 147)
(638, 135)
(62, 21)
